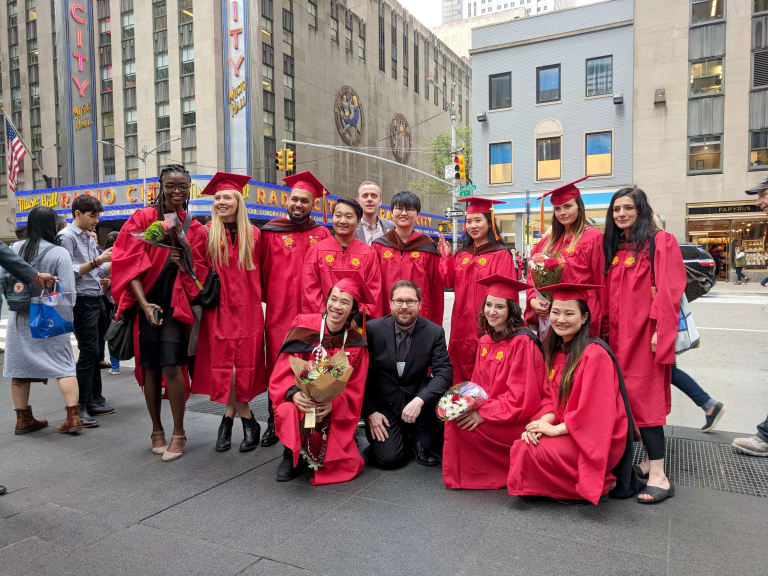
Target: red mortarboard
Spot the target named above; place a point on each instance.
(305, 181)
(560, 196)
(352, 282)
(477, 205)
(225, 181)
(503, 286)
(565, 291)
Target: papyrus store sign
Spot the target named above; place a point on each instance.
(121, 199)
(234, 18)
(77, 107)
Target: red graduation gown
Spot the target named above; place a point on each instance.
(232, 334)
(283, 248)
(633, 316)
(342, 458)
(416, 260)
(512, 373)
(461, 272)
(577, 465)
(327, 255)
(584, 264)
(134, 258)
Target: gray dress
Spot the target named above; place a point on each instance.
(37, 358)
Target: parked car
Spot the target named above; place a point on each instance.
(696, 258)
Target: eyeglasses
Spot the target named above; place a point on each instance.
(401, 209)
(180, 187)
(409, 303)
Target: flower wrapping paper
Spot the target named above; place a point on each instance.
(457, 401)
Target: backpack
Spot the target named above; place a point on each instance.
(18, 293)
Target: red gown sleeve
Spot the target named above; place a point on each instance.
(312, 289)
(437, 291)
(529, 315)
(524, 385)
(597, 264)
(448, 269)
(375, 285)
(130, 256)
(669, 272)
(264, 262)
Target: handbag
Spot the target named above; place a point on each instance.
(17, 293)
(51, 314)
(210, 294)
(119, 335)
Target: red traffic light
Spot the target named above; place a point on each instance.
(456, 159)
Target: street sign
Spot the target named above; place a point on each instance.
(469, 189)
(457, 206)
(454, 213)
(449, 172)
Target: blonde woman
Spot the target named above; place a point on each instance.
(229, 364)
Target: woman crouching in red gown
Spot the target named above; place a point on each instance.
(580, 435)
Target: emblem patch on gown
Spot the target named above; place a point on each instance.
(615, 261)
(288, 242)
(329, 258)
(415, 255)
(355, 262)
(552, 374)
(482, 261)
(629, 262)
(484, 353)
(465, 261)
(387, 254)
(312, 240)
(499, 355)
(570, 249)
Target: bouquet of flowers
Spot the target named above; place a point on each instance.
(545, 270)
(457, 401)
(169, 233)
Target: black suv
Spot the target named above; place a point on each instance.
(696, 258)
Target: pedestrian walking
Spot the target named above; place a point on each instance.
(30, 359)
(510, 368)
(645, 282)
(480, 255)
(229, 362)
(147, 280)
(739, 261)
(713, 410)
(90, 268)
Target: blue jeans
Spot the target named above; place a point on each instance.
(764, 281)
(762, 430)
(690, 388)
(739, 275)
(115, 363)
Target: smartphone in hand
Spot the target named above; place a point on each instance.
(156, 313)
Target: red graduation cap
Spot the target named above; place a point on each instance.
(307, 181)
(352, 282)
(566, 291)
(502, 286)
(561, 195)
(225, 181)
(477, 205)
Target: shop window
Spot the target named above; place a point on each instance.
(599, 154)
(548, 84)
(758, 149)
(548, 159)
(500, 91)
(707, 77)
(703, 11)
(704, 154)
(599, 76)
(500, 163)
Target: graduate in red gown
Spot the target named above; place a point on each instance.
(284, 245)
(340, 251)
(229, 363)
(582, 247)
(409, 255)
(580, 433)
(146, 279)
(480, 255)
(643, 317)
(510, 368)
(334, 434)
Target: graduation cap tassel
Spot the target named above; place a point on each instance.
(493, 226)
(541, 215)
(325, 209)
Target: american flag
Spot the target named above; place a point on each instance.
(16, 152)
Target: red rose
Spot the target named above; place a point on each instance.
(551, 263)
(455, 398)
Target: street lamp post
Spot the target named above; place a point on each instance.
(452, 109)
(142, 158)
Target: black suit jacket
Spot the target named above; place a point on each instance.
(384, 388)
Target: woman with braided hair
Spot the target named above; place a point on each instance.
(147, 280)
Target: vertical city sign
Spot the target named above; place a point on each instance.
(237, 123)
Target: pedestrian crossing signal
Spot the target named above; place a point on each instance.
(460, 168)
(290, 160)
(280, 160)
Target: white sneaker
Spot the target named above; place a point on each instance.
(753, 446)
(113, 371)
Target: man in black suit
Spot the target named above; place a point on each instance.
(400, 396)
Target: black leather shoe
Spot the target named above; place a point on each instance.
(251, 434)
(88, 421)
(224, 439)
(425, 456)
(286, 471)
(269, 438)
(100, 400)
(3, 489)
(96, 410)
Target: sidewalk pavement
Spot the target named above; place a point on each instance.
(102, 503)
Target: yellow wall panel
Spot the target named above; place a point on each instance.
(598, 164)
(501, 173)
(548, 169)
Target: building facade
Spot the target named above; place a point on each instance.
(701, 120)
(476, 8)
(131, 86)
(458, 35)
(553, 100)
(453, 11)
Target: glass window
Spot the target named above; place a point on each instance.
(548, 158)
(189, 156)
(288, 86)
(600, 76)
(269, 123)
(500, 163)
(267, 73)
(187, 111)
(187, 60)
(707, 77)
(185, 11)
(704, 154)
(758, 149)
(760, 6)
(312, 11)
(599, 154)
(706, 11)
(129, 72)
(548, 84)
(128, 25)
(500, 91)
(334, 26)
(361, 40)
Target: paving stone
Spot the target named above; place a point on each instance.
(266, 567)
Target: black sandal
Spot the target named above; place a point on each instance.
(657, 494)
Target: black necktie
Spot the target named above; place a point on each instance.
(403, 340)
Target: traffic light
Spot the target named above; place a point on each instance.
(280, 160)
(460, 168)
(290, 160)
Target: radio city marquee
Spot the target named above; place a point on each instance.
(121, 199)
(235, 49)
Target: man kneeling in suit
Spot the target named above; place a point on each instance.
(400, 393)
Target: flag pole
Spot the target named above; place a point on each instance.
(31, 155)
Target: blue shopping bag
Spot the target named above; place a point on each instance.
(51, 314)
